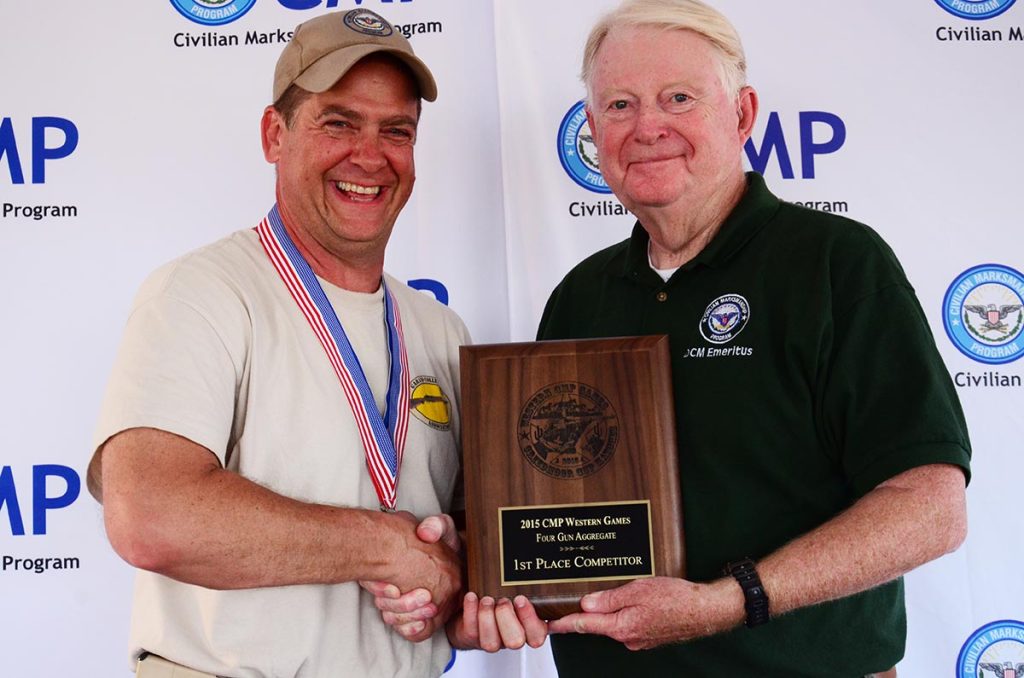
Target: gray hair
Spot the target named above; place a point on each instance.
(689, 15)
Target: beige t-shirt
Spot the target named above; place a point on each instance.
(216, 350)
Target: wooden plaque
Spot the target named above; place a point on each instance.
(569, 457)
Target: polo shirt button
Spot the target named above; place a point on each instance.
(661, 296)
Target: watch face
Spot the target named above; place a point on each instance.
(741, 568)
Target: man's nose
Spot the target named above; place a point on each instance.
(367, 152)
(651, 124)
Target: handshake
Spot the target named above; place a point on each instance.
(425, 592)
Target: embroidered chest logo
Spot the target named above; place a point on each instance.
(429, 404)
(568, 430)
(724, 318)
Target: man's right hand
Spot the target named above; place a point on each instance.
(171, 508)
(428, 572)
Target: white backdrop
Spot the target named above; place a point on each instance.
(142, 149)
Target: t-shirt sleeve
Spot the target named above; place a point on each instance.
(173, 372)
(889, 404)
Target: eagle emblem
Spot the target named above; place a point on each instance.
(724, 318)
(1004, 670)
(993, 316)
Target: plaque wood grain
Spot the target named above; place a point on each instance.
(498, 381)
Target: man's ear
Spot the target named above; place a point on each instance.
(272, 129)
(590, 121)
(746, 111)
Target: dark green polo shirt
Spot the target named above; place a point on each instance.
(805, 374)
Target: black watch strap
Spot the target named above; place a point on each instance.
(756, 599)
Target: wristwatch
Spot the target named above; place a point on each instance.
(756, 599)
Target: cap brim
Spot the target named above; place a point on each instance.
(330, 68)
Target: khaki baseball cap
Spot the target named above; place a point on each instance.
(325, 48)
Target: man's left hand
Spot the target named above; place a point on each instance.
(495, 625)
(646, 613)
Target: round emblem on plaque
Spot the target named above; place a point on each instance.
(568, 430)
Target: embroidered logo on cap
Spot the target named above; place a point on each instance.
(724, 318)
(369, 23)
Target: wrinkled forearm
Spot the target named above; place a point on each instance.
(909, 520)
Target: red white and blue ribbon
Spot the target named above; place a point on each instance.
(383, 438)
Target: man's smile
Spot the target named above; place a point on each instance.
(358, 192)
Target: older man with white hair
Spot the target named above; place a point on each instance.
(822, 449)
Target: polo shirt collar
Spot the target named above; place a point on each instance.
(755, 209)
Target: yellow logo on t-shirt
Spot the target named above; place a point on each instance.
(430, 404)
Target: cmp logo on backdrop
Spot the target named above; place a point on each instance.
(995, 650)
(983, 313)
(213, 12)
(577, 152)
(975, 9)
(41, 500)
(813, 126)
(44, 129)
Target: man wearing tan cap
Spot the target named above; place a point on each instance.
(257, 420)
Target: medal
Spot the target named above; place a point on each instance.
(383, 438)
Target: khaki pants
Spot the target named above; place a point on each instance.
(152, 666)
